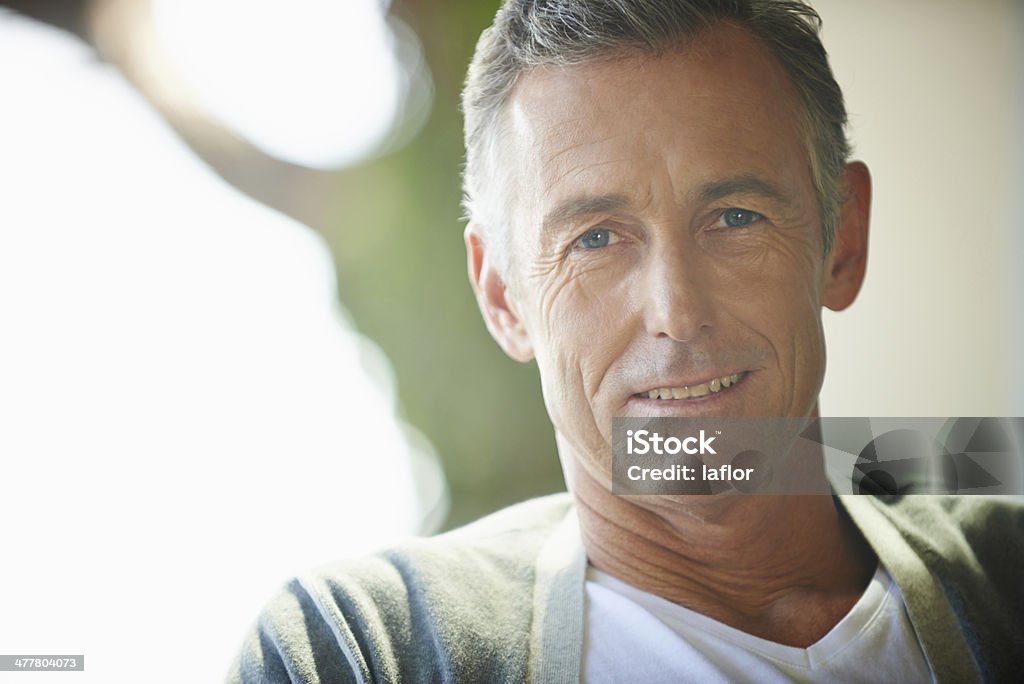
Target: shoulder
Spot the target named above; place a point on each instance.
(982, 522)
(973, 549)
(984, 532)
(460, 569)
(957, 562)
(452, 607)
(981, 532)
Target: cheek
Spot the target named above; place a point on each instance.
(579, 321)
(577, 310)
(777, 294)
(778, 272)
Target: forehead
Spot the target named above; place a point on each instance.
(636, 126)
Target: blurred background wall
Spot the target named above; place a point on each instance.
(935, 93)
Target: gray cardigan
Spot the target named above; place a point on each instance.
(501, 600)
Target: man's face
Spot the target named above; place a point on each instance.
(666, 236)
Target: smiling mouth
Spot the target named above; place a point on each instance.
(712, 386)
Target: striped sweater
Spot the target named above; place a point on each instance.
(501, 600)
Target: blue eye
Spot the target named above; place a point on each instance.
(735, 218)
(595, 239)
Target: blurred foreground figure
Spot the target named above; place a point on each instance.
(661, 204)
(185, 414)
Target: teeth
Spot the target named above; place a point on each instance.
(702, 390)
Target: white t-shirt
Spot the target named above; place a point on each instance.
(633, 636)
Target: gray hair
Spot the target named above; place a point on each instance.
(532, 33)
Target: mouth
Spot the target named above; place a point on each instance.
(689, 392)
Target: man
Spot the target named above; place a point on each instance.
(661, 204)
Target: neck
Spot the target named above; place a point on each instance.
(785, 568)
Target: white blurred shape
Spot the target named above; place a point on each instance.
(313, 82)
(185, 421)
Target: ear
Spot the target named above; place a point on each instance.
(496, 302)
(845, 265)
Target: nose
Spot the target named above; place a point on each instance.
(678, 293)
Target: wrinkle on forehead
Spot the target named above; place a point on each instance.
(555, 157)
(559, 112)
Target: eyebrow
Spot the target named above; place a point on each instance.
(587, 205)
(742, 185)
(584, 205)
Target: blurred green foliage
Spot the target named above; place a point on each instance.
(395, 229)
